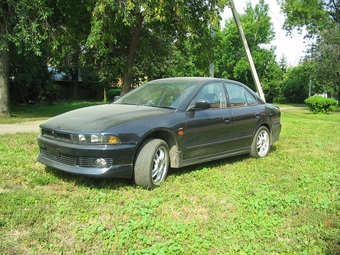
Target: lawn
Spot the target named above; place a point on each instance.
(286, 203)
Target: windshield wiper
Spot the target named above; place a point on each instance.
(128, 103)
(163, 106)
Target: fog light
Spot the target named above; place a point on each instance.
(100, 162)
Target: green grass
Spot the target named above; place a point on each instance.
(23, 113)
(286, 203)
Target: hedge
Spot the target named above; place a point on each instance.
(318, 104)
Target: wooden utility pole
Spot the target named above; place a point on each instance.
(212, 35)
(246, 48)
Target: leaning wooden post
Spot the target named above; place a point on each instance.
(245, 45)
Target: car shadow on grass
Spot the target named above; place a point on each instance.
(213, 164)
(210, 164)
(116, 183)
(98, 183)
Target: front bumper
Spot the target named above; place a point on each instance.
(80, 158)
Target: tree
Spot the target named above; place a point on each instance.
(272, 81)
(321, 18)
(295, 86)
(71, 24)
(133, 22)
(312, 15)
(23, 24)
(112, 36)
(28, 76)
(4, 72)
(326, 56)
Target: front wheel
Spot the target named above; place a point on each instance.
(261, 143)
(152, 163)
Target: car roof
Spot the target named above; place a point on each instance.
(205, 79)
(199, 79)
(195, 79)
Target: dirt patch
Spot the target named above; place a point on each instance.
(24, 127)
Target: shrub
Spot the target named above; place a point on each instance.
(112, 93)
(49, 93)
(318, 104)
(279, 100)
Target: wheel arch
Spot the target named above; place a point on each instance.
(268, 126)
(171, 141)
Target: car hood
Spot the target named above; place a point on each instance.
(101, 117)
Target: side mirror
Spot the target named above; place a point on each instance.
(199, 104)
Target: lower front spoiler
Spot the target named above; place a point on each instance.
(119, 171)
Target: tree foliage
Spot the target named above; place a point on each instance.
(133, 41)
(70, 23)
(115, 38)
(145, 26)
(309, 14)
(23, 27)
(28, 76)
(321, 18)
(295, 86)
(327, 60)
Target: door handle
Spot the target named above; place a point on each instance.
(257, 115)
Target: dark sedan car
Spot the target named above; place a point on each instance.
(172, 122)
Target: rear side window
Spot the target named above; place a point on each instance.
(238, 96)
(250, 98)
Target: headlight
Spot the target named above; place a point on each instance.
(95, 139)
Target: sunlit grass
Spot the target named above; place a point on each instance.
(286, 203)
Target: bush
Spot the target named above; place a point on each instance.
(49, 93)
(279, 100)
(318, 104)
(112, 93)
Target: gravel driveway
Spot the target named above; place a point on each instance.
(24, 127)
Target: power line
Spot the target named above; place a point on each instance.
(282, 24)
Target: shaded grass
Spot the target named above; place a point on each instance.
(286, 203)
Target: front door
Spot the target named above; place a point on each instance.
(209, 131)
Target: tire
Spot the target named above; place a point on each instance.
(260, 146)
(152, 163)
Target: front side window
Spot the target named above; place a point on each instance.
(214, 93)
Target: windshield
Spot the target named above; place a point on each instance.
(168, 94)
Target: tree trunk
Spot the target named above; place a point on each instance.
(131, 57)
(4, 76)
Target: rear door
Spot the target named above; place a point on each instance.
(209, 131)
(246, 114)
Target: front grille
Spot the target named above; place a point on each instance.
(60, 158)
(55, 134)
(72, 160)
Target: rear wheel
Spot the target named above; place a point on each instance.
(152, 163)
(261, 143)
